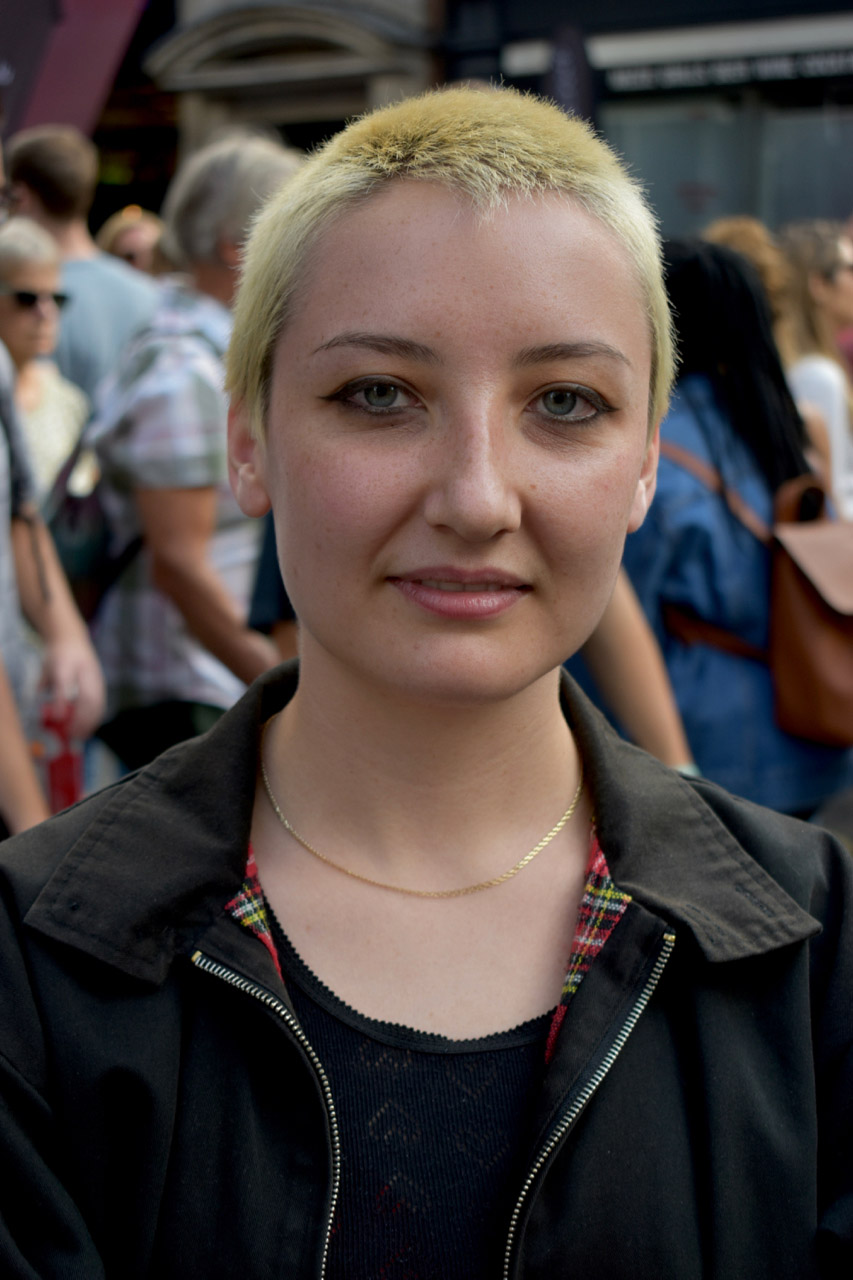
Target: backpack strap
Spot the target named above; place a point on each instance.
(711, 478)
(683, 624)
(691, 629)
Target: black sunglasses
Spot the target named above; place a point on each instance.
(26, 299)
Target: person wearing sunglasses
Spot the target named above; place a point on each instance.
(53, 173)
(33, 587)
(52, 409)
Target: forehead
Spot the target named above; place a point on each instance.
(418, 250)
(44, 274)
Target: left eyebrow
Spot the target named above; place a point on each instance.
(385, 344)
(568, 351)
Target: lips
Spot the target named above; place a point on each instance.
(462, 594)
(449, 585)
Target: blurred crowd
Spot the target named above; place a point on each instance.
(111, 389)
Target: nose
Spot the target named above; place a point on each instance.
(474, 490)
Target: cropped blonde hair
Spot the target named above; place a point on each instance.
(486, 145)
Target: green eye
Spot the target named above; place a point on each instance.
(560, 402)
(380, 395)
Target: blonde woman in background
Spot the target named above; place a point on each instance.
(51, 409)
(820, 255)
(134, 235)
(755, 242)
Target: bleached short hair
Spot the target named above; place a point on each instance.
(485, 145)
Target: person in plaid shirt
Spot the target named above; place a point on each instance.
(171, 633)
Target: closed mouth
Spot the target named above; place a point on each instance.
(440, 584)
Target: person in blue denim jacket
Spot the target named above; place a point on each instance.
(732, 410)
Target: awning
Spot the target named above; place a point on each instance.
(79, 63)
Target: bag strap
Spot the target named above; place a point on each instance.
(690, 629)
(711, 478)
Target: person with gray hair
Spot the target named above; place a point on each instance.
(171, 631)
(53, 172)
(52, 410)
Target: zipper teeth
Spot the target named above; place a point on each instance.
(265, 997)
(589, 1089)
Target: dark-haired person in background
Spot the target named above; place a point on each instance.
(733, 410)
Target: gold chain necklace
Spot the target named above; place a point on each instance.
(425, 893)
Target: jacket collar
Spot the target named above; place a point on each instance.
(153, 860)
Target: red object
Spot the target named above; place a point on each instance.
(62, 760)
(83, 54)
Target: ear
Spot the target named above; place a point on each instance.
(247, 463)
(645, 490)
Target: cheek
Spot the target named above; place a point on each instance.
(328, 509)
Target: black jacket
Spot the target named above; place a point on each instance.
(163, 1115)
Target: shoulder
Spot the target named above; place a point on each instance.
(817, 377)
(108, 273)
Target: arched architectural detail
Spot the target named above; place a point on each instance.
(287, 63)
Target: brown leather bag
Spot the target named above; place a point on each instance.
(811, 605)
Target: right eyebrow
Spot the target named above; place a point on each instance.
(385, 344)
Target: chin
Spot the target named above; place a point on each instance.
(471, 681)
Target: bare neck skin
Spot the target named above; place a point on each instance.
(218, 277)
(426, 798)
(29, 385)
(425, 794)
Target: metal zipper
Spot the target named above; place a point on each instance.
(201, 961)
(566, 1122)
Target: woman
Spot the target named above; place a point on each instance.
(51, 409)
(821, 260)
(694, 560)
(134, 235)
(451, 1028)
(750, 238)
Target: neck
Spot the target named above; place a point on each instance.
(73, 239)
(215, 279)
(28, 384)
(412, 784)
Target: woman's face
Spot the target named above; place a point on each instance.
(457, 441)
(136, 244)
(29, 330)
(835, 295)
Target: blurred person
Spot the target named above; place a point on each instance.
(755, 242)
(626, 664)
(22, 799)
(133, 235)
(52, 410)
(732, 409)
(33, 586)
(53, 172)
(172, 631)
(820, 255)
(412, 966)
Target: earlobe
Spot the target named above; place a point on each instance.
(646, 483)
(246, 463)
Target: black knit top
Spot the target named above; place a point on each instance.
(434, 1134)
